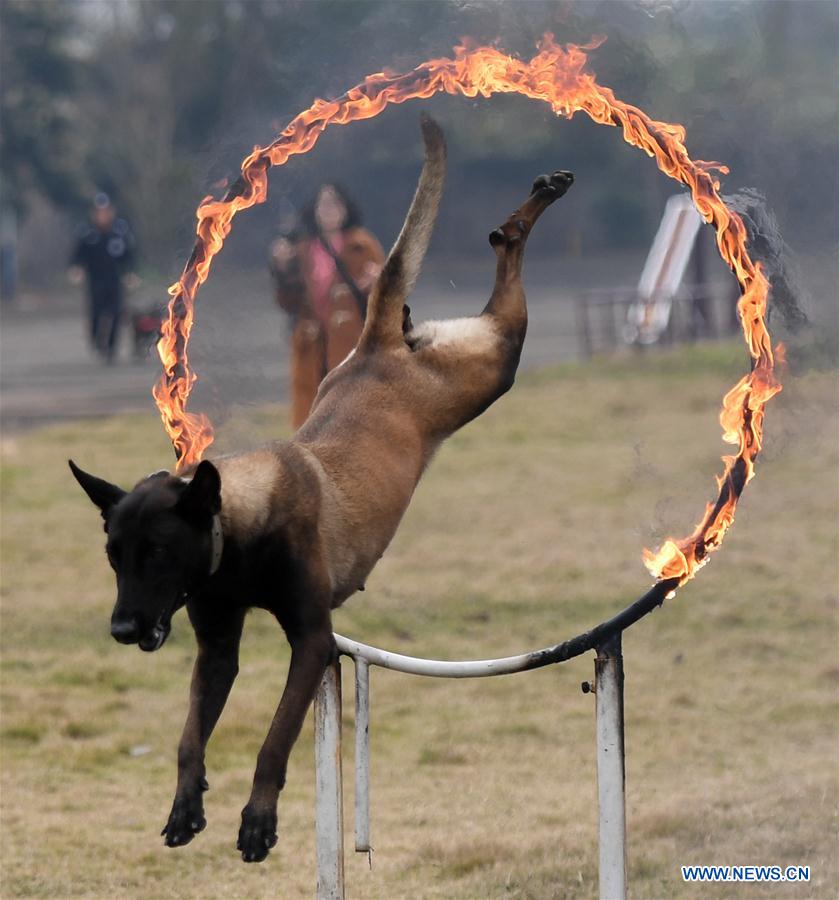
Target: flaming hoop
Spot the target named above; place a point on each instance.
(556, 75)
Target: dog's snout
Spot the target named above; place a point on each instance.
(126, 631)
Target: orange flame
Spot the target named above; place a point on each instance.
(557, 76)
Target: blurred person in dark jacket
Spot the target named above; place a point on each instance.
(104, 256)
(323, 275)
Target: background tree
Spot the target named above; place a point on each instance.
(40, 148)
(157, 101)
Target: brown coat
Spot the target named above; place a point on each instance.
(318, 346)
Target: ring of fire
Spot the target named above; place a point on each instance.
(558, 76)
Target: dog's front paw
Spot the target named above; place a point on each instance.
(258, 833)
(185, 820)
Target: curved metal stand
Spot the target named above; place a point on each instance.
(604, 638)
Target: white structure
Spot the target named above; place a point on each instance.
(664, 270)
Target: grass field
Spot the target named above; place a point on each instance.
(527, 528)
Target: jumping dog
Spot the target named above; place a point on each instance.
(296, 527)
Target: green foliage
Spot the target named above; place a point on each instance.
(39, 146)
(157, 101)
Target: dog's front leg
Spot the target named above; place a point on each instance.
(311, 652)
(213, 675)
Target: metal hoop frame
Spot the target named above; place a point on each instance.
(604, 638)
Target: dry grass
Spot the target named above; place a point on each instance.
(527, 528)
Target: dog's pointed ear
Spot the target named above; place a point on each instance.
(201, 499)
(101, 492)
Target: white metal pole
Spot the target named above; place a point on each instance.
(608, 669)
(329, 805)
(362, 755)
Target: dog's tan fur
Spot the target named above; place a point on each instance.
(305, 521)
(380, 415)
(345, 479)
(247, 492)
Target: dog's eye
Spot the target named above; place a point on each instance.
(158, 550)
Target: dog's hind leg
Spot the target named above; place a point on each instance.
(383, 325)
(213, 675)
(474, 359)
(311, 651)
(507, 303)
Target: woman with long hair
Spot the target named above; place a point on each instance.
(322, 280)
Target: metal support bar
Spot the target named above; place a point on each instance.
(608, 670)
(481, 668)
(329, 809)
(605, 638)
(362, 755)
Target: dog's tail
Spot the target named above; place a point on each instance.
(399, 274)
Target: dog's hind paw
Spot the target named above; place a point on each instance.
(185, 821)
(554, 185)
(258, 833)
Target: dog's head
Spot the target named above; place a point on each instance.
(162, 543)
